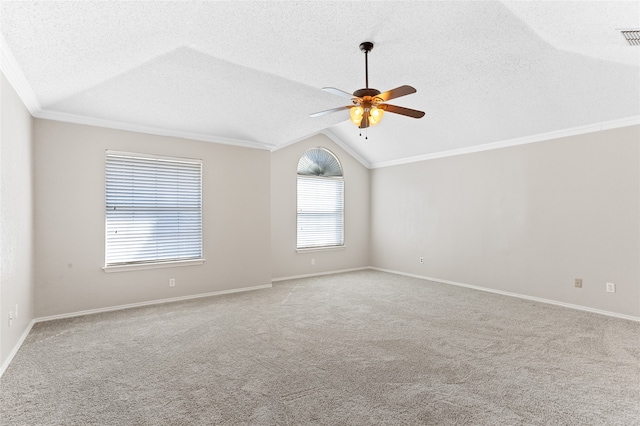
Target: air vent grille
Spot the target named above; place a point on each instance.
(632, 36)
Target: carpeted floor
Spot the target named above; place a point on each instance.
(361, 348)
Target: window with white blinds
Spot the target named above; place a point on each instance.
(153, 209)
(320, 218)
(320, 212)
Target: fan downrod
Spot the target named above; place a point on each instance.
(366, 47)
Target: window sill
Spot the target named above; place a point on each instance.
(124, 268)
(306, 250)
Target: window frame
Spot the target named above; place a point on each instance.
(141, 265)
(332, 177)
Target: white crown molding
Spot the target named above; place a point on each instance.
(519, 296)
(328, 133)
(622, 122)
(573, 131)
(16, 77)
(294, 141)
(334, 138)
(118, 125)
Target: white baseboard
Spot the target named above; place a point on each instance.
(520, 296)
(151, 302)
(16, 348)
(5, 365)
(318, 274)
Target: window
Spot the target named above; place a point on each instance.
(153, 209)
(320, 200)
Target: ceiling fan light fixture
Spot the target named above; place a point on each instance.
(356, 113)
(375, 115)
(368, 103)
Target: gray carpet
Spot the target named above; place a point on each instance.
(361, 348)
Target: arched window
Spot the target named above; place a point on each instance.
(320, 200)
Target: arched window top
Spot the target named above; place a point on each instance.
(319, 162)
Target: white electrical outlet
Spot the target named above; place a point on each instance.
(172, 282)
(611, 288)
(422, 260)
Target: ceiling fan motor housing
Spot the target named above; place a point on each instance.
(361, 93)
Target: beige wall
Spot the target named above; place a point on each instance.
(69, 220)
(527, 219)
(286, 262)
(16, 220)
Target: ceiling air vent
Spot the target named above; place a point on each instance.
(632, 36)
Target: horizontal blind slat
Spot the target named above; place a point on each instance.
(153, 209)
(320, 218)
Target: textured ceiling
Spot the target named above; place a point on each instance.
(250, 73)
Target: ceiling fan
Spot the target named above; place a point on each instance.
(369, 104)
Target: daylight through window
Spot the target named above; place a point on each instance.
(153, 209)
(320, 218)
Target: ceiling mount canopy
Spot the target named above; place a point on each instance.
(369, 105)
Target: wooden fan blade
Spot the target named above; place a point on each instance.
(413, 113)
(338, 92)
(396, 93)
(329, 111)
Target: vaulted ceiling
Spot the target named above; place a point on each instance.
(250, 73)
